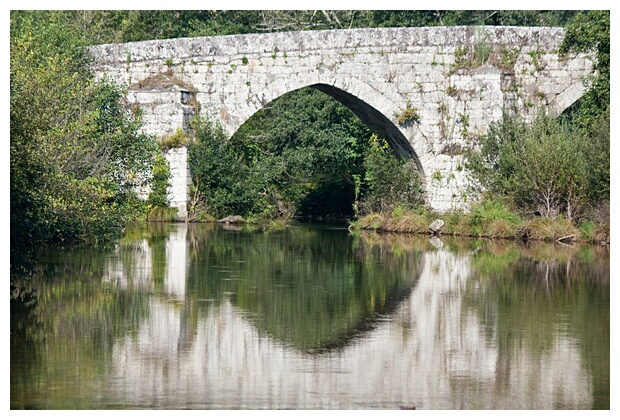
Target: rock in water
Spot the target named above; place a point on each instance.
(231, 219)
(436, 226)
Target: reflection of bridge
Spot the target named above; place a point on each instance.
(433, 352)
(424, 89)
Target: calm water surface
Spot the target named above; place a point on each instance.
(203, 317)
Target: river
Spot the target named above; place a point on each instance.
(203, 316)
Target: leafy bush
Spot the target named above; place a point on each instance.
(76, 150)
(218, 169)
(389, 182)
(158, 197)
(541, 166)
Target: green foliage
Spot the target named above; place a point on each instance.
(161, 214)
(493, 218)
(541, 166)
(460, 58)
(302, 151)
(482, 51)
(409, 114)
(158, 197)
(586, 231)
(76, 152)
(304, 156)
(218, 168)
(108, 26)
(589, 32)
(389, 182)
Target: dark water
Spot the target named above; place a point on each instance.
(312, 318)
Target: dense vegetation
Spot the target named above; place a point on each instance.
(557, 167)
(99, 27)
(77, 153)
(305, 156)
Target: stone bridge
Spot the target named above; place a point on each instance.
(428, 91)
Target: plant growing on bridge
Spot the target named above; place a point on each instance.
(177, 139)
(505, 59)
(408, 115)
(460, 58)
(482, 51)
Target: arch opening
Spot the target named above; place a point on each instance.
(306, 152)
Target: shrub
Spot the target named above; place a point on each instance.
(160, 183)
(389, 181)
(541, 166)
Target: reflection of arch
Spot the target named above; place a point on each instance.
(374, 118)
(333, 300)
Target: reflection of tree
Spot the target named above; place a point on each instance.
(311, 289)
(71, 330)
(538, 293)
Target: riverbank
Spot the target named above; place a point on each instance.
(488, 220)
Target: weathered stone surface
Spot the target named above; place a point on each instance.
(376, 72)
(232, 219)
(436, 226)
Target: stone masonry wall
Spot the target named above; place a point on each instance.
(379, 73)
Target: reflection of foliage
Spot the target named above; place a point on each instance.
(533, 295)
(302, 286)
(74, 325)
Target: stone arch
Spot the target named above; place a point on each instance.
(375, 119)
(566, 98)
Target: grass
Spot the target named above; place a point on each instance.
(490, 219)
(161, 214)
(547, 229)
(177, 139)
